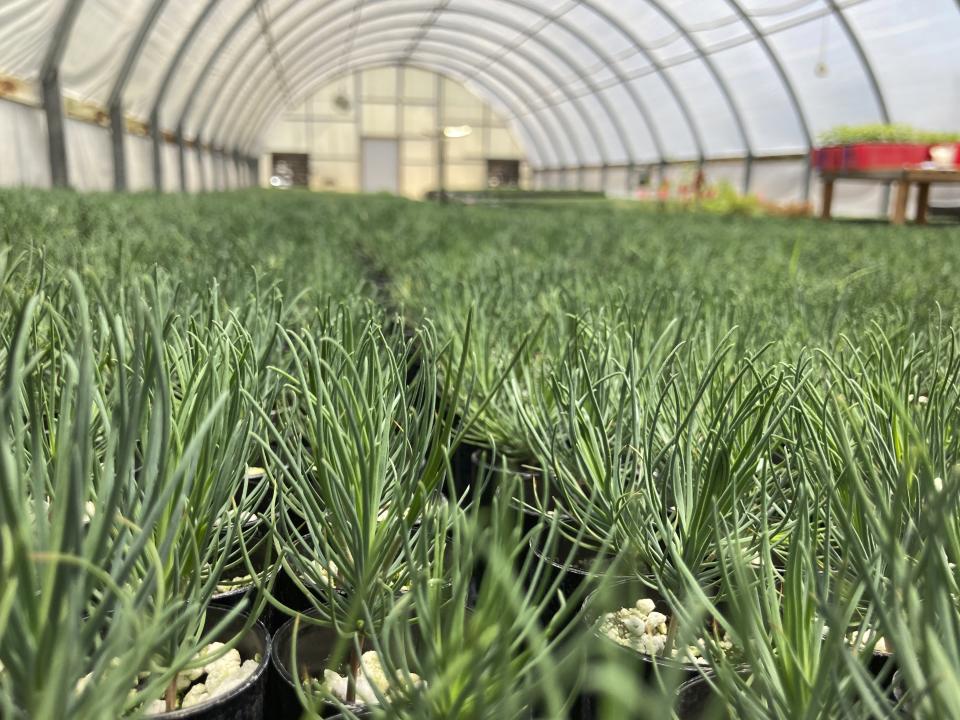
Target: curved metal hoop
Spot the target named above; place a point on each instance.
(381, 58)
(313, 24)
(523, 76)
(462, 46)
(552, 48)
(511, 76)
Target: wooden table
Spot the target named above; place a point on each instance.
(902, 178)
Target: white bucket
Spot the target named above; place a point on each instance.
(944, 156)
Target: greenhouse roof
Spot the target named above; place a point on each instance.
(584, 82)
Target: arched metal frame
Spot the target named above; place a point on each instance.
(609, 62)
(511, 80)
(792, 95)
(422, 31)
(720, 82)
(553, 49)
(52, 97)
(861, 54)
(155, 114)
(440, 66)
(462, 46)
(115, 103)
(613, 66)
(161, 95)
(312, 24)
(642, 49)
(380, 58)
(724, 89)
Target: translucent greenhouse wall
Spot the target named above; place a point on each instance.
(596, 91)
(404, 104)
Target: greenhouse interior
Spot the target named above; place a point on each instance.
(480, 359)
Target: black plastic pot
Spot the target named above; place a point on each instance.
(624, 594)
(879, 661)
(315, 644)
(246, 701)
(697, 700)
(461, 463)
(261, 554)
(287, 592)
(232, 598)
(252, 478)
(496, 472)
(527, 493)
(884, 665)
(572, 576)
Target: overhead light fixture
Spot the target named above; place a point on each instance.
(457, 131)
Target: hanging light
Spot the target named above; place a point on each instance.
(457, 131)
(821, 69)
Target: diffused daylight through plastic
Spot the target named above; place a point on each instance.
(480, 359)
(592, 89)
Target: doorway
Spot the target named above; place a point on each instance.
(380, 167)
(503, 173)
(290, 170)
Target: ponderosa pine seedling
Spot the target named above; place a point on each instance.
(94, 579)
(368, 454)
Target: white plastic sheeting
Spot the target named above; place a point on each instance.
(583, 82)
(88, 156)
(139, 163)
(23, 146)
(24, 156)
(26, 30)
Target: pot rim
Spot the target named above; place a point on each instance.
(279, 665)
(287, 629)
(481, 458)
(190, 712)
(575, 570)
(238, 590)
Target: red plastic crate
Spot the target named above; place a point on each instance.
(828, 158)
(883, 156)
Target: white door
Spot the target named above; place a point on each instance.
(381, 165)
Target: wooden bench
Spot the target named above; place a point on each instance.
(902, 178)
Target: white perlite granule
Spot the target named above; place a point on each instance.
(372, 675)
(643, 629)
(219, 677)
(222, 675)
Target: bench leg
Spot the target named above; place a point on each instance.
(923, 200)
(900, 204)
(827, 204)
